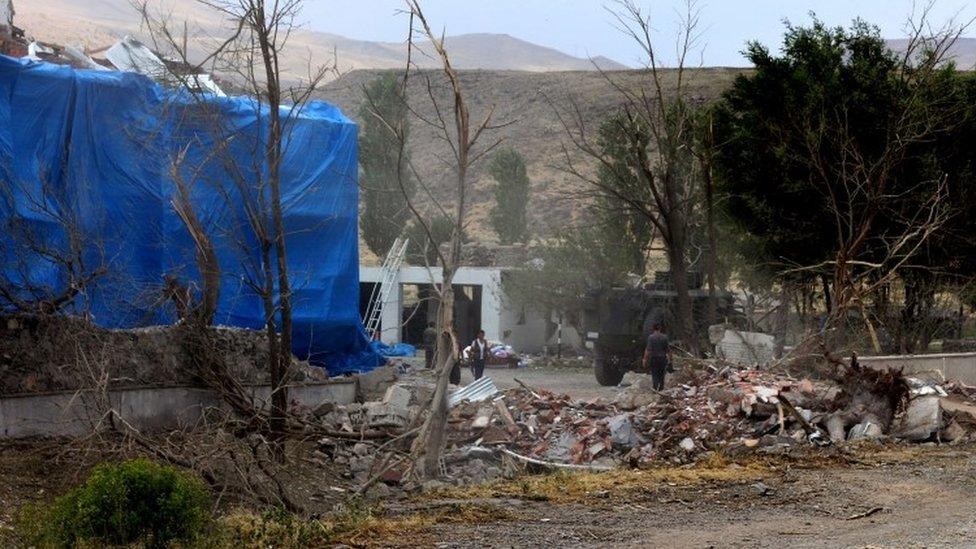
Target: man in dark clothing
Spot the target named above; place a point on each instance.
(479, 353)
(430, 345)
(657, 355)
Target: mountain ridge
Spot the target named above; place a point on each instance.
(94, 24)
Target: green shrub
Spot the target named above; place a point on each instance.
(136, 501)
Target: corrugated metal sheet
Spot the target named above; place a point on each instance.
(476, 391)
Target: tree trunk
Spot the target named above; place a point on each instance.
(685, 327)
(782, 320)
(280, 362)
(711, 314)
(430, 441)
(828, 302)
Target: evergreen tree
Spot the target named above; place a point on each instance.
(383, 167)
(511, 196)
(622, 234)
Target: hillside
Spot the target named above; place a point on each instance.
(962, 52)
(528, 101)
(95, 24)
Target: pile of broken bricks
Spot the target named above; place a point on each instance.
(725, 409)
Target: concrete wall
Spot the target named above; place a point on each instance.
(498, 313)
(959, 366)
(489, 278)
(526, 329)
(150, 408)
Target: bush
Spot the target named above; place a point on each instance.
(136, 501)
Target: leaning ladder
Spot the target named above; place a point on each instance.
(381, 291)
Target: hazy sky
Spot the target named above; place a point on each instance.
(584, 28)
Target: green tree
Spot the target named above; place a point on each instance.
(834, 164)
(621, 234)
(420, 250)
(511, 196)
(384, 176)
(602, 250)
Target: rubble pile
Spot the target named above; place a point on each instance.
(730, 409)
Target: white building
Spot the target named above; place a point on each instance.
(480, 303)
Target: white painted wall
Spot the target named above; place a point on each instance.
(489, 278)
(498, 314)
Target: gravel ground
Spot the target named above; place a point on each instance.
(921, 499)
(575, 381)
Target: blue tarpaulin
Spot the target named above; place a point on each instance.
(395, 350)
(95, 155)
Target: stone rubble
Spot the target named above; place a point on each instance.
(733, 409)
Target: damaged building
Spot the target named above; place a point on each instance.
(100, 148)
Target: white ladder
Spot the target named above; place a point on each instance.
(381, 290)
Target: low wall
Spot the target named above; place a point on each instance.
(959, 366)
(145, 408)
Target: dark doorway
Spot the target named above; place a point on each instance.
(420, 306)
(467, 312)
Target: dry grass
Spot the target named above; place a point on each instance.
(565, 487)
(357, 525)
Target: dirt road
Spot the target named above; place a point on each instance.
(898, 498)
(578, 382)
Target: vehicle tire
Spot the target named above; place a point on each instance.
(608, 370)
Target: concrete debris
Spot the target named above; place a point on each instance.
(398, 397)
(622, 432)
(954, 432)
(921, 420)
(865, 430)
(373, 385)
(379, 414)
(731, 409)
(746, 347)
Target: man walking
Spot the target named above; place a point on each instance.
(430, 345)
(479, 352)
(657, 355)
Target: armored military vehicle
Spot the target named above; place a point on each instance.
(616, 321)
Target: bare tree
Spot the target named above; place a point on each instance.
(660, 124)
(451, 121)
(249, 54)
(43, 230)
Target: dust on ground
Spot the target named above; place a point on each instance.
(908, 498)
(575, 380)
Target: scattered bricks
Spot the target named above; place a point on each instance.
(392, 476)
(496, 435)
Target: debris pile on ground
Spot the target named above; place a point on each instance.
(729, 409)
